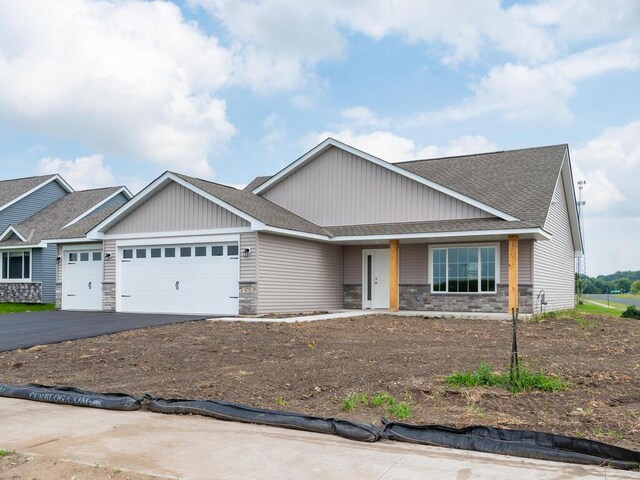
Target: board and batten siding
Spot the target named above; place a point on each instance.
(298, 275)
(248, 265)
(339, 188)
(176, 208)
(554, 260)
(31, 204)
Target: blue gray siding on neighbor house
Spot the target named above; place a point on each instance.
(118, 200)
(49, 255)
(36, 201)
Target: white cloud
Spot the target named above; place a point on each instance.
(464, 145)
(363, 116)
(82, 173)
(610, 163)
(266, 29)
(519, 91)
(128, 77)
(395, 148)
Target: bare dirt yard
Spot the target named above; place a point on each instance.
(15, 466)
(312, 367)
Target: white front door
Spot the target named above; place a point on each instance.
(375, 286)
(82, 280)
(180, 278)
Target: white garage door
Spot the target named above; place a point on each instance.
(192, 278)
(82, 282)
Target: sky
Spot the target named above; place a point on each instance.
(116, 92)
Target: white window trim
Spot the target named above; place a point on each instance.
(18, 280)
(463, 245)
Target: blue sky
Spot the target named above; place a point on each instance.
(116, 92)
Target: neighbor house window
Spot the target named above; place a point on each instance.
(16, 265)
(464, 269)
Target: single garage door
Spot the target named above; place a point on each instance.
(82, 282)
(189, 279)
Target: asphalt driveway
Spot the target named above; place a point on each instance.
(24, 330)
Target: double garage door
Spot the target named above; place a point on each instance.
(183, 278)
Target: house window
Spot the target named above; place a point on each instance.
(464, 269)
(16, 265)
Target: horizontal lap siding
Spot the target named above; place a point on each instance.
(31, 204)
(176, 208)
(339, 188)
(298, 275)
(414, 263)
(109, 266)
(525, 262)
(554, 267)
(117, 201)
(248, 267)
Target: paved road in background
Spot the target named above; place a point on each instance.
(24, 330)
(615, 299)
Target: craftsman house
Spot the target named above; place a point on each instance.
(339, 228)
(32, 209)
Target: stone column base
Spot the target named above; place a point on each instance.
(248, 298)
(108, 297)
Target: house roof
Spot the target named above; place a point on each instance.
(433, 226)
(13, 189)
(256, 182)
(518, 182)
(49, 223)
(331, 142)
(256, 206)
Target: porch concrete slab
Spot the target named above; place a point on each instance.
(192, 447)
(359, 313)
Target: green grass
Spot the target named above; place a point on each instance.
(25, 307)
(281, 402)
(6, 453)
(397, 409)
(484, 376)
(592, 308)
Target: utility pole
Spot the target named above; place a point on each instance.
(581, 267)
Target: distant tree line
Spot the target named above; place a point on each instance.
(626, 282)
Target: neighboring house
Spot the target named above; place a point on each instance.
(339, 228)
(35, 209)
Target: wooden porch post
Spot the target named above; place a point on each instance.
(513, 272)
(394, 299)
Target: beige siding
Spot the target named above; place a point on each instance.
(414, 263)
(525, 262)
(248, 265)
(554, 259)
(109, 265)
(298, 275)
(176, 208)
(338, 188)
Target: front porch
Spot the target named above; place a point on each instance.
(489, 276)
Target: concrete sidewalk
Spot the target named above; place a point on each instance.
(192, 447)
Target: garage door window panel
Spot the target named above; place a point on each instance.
(127, 253)
(217, 251)
(169, 252)
(185, 251)
(201, 251)
(232, 250)
(156, 252)
(84, 257)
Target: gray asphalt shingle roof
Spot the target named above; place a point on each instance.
(48, 223)
(256, 182)
(12, 189)
(433, 226)
(256, 206)
(517, 182)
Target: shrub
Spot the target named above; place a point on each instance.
(631, 312)
(635, 287)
